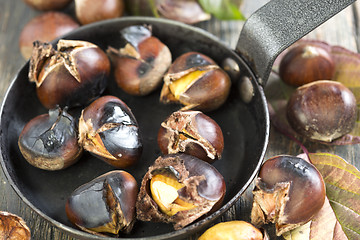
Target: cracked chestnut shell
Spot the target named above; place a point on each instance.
(289, 192)
(140, 66)
(178, 189)
(193, 133)
(306, 63)
(108, 129)
(106, 204)
(71, 75)
(322, 110)
(50, 141)
(197, 82)
(13, 227)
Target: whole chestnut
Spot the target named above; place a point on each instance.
(106, 204)
(233, 230)
(289, 192)
(49, 141)
(306, 63)
(72, 75)
(193, 133)
(46, 5)
(140, 66)
(88, 11)
(322, 110)
(45, 28)
(178, 189)
(108, 129)
(196, 81)
(13, 227)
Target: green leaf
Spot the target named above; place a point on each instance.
(223, 9)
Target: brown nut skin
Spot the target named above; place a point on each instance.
(232, 230)
(108, 129)
(13, 227)
(322, 110)
(207, 85)
(203, 187)
(72, 75)
(289, 192)
(306, 63)
(50, 141)
(193, 133)
(89, 11)
(45, 28)
(47, 5)
(106, 204)
(140, 66)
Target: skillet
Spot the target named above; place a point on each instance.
(244, 118)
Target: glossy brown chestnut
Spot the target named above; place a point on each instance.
(289, 192)
(49, 141)
(233, 230)
(13, 227)
(71, 75)
(45, 28)
(196, 81)
(104, 205)
(46, 5)
(140, 66)
(306, 63)
(108, 129)
(178, 189)
(322, 110)
(88, 11)
(193, 133)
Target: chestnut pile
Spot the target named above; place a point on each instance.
(181, 185)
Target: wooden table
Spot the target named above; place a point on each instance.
(343, 30)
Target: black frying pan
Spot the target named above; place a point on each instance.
(244, 118)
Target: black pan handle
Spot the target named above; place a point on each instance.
(277, 25)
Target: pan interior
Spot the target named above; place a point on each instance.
(245, 129)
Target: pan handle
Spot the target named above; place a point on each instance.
(277, 25)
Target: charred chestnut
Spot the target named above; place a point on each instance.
(49, 141)
(178, 189)
(196, 81)
(140, 66)
(104, 205)
(45, 27)
(88, 11)
(289, 192)
(233, 230)
(306, 63)
(13, 227)
(193, 133)
(108, 129)
(322, 110)
(71, 75)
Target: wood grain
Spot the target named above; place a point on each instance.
(343, 30)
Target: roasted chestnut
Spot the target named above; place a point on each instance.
(322, 110)
(233, 230)
(191, 132)
(108, 129)
(13, 227)
(306, 63)
(140, 66)
(178, 189)
(50, 141)
(197, 82)
(46, 5)
(289, 192)
(88, 11)
(71, 75)
(45, 28)
(104, 205)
